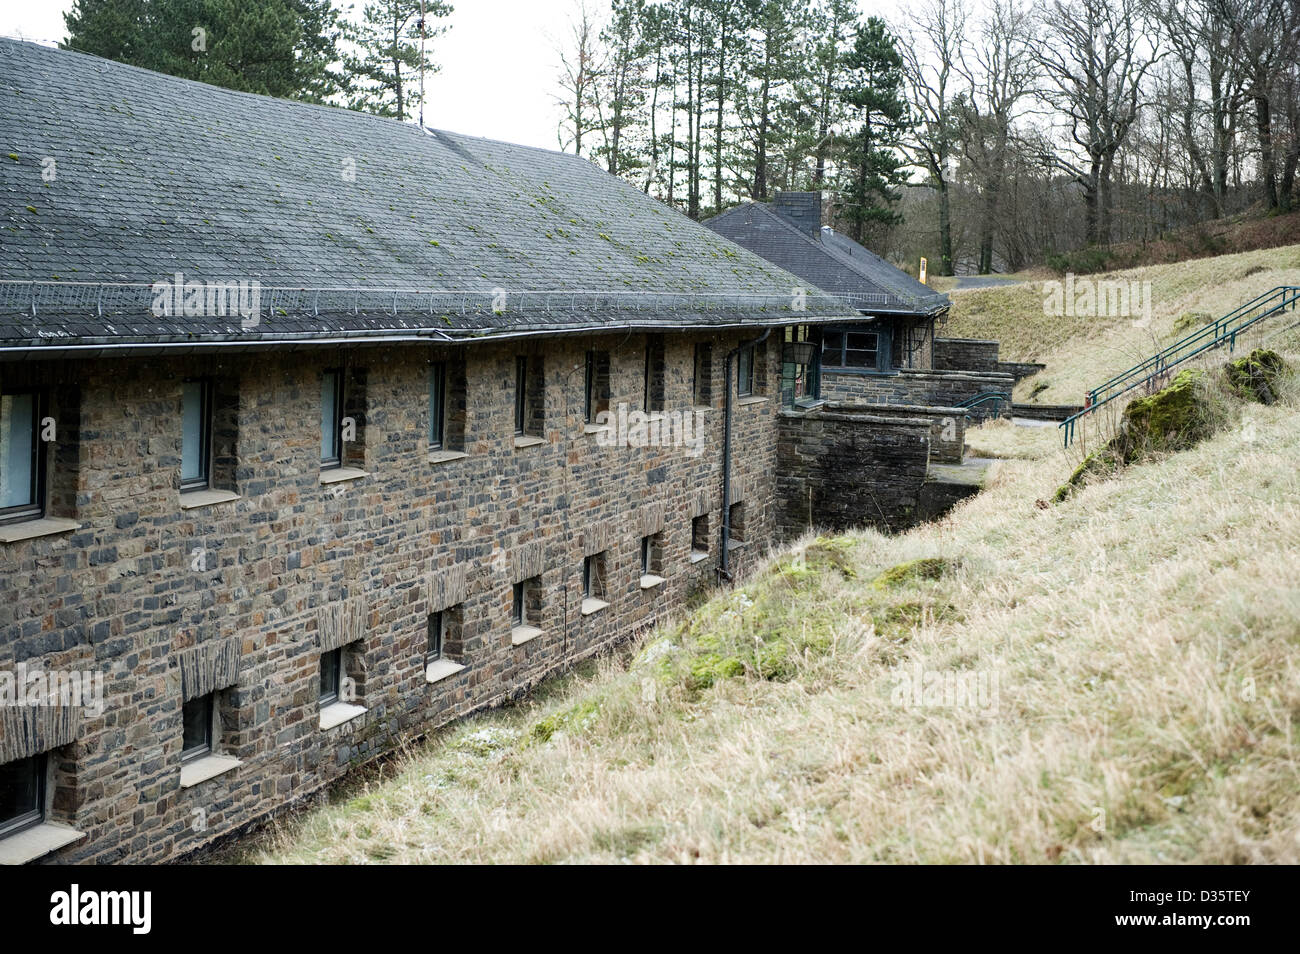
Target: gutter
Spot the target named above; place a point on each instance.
(425, 337)
(724, 571)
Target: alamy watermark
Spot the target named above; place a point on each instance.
(637, 428)
(179, 298)
(1097, 298)
(934, 688)
(28, 686)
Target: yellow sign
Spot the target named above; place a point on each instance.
(923, 271)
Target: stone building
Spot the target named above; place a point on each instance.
(319, 430)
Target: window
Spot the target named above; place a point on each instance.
(736, 524)
(850, 348)
(196, 435)
(525, 603)
(745, 371)
(521, 394)
(331, 676)
(530, 396)
(196, 726)
(596, 386)
(800, 366)
(22, 463)
(652, 555)
(700, 535)
(437, 404)
(433, 649)
(655, 384)
(593, 577)
(22, 794)
(702, 392)
(331, 418)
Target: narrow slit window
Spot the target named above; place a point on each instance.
(745, 371)
(437, 404)
(521, 395)
(331, 418)
(331, 675)
(196, 435)
(433, 649)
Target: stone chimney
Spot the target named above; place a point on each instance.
(803, 210)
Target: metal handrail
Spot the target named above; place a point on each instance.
(984, 398)
(1223, 330)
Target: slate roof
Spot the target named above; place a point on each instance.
(412, 229)
(832, 262)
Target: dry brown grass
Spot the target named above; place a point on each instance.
(1144, 640)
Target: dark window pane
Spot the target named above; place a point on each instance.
(645, 555)
(521, 393)
(434, 650)
(745, 371)
(517, 605)
(330, 399)
(196, 719)
(437, 402)
(22, 793)
(19, 447)
(329, 675)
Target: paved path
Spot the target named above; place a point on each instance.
(971, 282)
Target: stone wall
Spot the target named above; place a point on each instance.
(947, 425)
(927, 388)
(965, 354)
(154, 596)
(844, 468)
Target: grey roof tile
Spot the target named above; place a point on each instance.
(157, 174)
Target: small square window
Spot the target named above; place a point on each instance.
(196, 722)
(331, 676)
(22, 794)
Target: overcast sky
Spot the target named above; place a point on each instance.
(498, 75)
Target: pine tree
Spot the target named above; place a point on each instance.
(875, 166)
(386, 71)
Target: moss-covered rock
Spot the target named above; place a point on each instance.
(927, 568)
(1175, 418)
(1258, 376)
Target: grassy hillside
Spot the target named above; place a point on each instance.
(1081, 352)
(1127, 659)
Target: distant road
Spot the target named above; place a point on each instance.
(969, 282)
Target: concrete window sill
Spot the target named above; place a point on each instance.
(736, 544)
(29, 529)
(206, 498)
(522, 634)
(36, 843)
(752, 399)
(591, 605)
(649, 581)
(337, 475)
(702, 407)
(446, 456)
(595, 428)
(441, 669)
(210, 766)
(336, 713)
(527, 440)
(698, 555)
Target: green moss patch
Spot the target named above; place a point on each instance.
(928, 568)
(1258, 376)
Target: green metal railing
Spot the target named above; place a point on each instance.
(1216, 334)
(997, 397)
